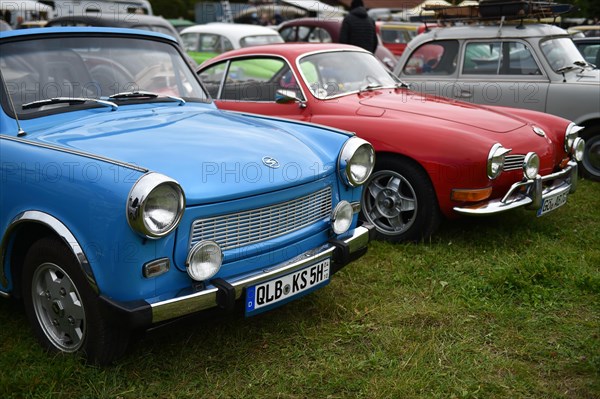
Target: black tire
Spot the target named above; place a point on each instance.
(590, 164)
(400, 201)
(63, 309)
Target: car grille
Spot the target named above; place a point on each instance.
(513, 162)
(249, 227)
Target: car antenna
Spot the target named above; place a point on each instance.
(21, 132)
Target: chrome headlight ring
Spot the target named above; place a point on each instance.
(578, 149)
(531, 165)
(356, 161)
(495, 160)
(155, 205)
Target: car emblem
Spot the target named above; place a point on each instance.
(271, 162)
(539, 131)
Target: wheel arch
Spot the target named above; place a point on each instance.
(23, 231)
(384, 155)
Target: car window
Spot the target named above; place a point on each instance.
(499, 58)
(288, 34)
(255, 79)
(212, 78)
(227, 45)
(435, 58)
(325, 78)
(209, 43)
(92, 68)
(258, 40)
(561, 52)
(319, 35)
(391, 35)
(190, 41)
(303, 32)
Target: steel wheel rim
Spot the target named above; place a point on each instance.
(58, 307)
(390, 202)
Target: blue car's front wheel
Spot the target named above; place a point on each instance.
(62, 308)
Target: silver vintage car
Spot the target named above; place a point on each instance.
(532, 66)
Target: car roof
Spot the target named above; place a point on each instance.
(83, 30)
(288, 50)
(333, 21)
(232, 31)
(117, 20)
(492, 31)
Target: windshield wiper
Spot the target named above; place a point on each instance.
(585, 64)
(69, 101)
(127, 95)
(370, 86)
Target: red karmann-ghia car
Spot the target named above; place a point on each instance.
(435, 156)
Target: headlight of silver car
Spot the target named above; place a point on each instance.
(570, 135)
(495, 161)
(155, 205)
(356, 161)
(531, 165)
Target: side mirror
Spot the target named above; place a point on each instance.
(287, 97)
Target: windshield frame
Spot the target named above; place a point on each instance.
(9, 110)
(302, 57)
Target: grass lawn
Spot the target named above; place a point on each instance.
(500, 307)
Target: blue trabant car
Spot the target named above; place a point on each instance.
(127, 199)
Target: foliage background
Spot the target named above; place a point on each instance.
(185, 8)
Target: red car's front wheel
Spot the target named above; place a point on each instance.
(400, 201)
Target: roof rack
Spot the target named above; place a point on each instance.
(504, 10)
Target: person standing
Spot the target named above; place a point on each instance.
(358, 28)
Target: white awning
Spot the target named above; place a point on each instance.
(316, 7)
(23, 5)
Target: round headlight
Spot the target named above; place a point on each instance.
(571, 134)
(204, 260)
(578, 149)
(341, 218)
(356, 161)
(531, 165)
(495, 161)
(155, 205)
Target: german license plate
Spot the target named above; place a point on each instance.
(551, 203)
(265, 296)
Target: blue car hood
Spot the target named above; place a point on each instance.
(214, 155)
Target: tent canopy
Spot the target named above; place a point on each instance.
(316, 8)
(23, 5)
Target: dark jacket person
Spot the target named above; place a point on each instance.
(358, 28)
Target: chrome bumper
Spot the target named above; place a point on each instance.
(529, 193)
(223, 294)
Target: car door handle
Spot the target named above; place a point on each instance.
(464, 94)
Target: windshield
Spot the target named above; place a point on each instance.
(93, 68)
(259, 40)
(561, 53)
(331, 75)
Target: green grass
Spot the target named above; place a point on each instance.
(500, 307)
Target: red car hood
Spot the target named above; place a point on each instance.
(443, 110)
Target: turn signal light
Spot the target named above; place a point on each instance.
(471, 195)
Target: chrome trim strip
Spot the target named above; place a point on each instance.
(186, 304)
(75, 152)
(532, 199)
(60, 229)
